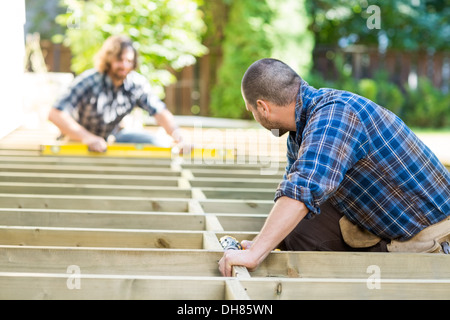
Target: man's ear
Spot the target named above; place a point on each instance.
(264, 107)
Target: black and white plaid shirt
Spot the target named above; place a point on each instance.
(98, 106)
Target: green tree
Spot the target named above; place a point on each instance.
(167, 33)
(403, 23)
(255, 30)
(245, 41)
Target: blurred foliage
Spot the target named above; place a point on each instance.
(255, 30)
(167, 33)
(40, 17)
(422, 106)
(427, 106)
(170, 34)
(404, 23)
(244, 42)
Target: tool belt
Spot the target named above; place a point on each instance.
(433, 239)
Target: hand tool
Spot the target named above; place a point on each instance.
(230, 243)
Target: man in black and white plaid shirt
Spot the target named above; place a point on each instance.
(92, 108)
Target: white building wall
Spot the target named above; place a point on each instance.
(12, 51)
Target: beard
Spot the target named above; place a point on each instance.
(275, 128)
(118, 74)
(279, 132)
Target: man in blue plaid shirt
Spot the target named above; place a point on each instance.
(357, 177)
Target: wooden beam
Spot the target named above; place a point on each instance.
(90, 237)
(85, 161)
(224, 206)
(239, 193)
(151, 171)
(345, 289)
(211, 242)
(201, 182)
(234, 290)
(354, 265)
(101, 219)
(57, 286)
(77, 178)
(93, 202)
(230, 173)
(112, 261)
(93, 190)
(242, 222)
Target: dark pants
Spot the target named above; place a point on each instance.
(322, 233)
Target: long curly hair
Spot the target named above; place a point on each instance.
(113, 48)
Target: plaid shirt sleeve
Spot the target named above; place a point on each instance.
(332, 142)
(74, 94)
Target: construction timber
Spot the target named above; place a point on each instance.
(81, 227)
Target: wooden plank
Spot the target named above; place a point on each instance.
(239, 193)
(84, 161)
(242, 222)
(354, 265)
(100, 237)
(231, 173)
(152, 171)
(55, 286)
(234, 290)
(224, 206)
(17, 152)
(201, 182)
(93, 190)
(211, 242)
(102, 219)
(111, 261)
(93, 203)
(77, 178)
(343, 289)
(235, 165)
(240, 272)
(212, 223)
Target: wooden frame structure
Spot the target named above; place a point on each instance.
(128, 228)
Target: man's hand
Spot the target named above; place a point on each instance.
(68, 126)
(246, 244)
(232, 258)
(284, 216)
(95, 143)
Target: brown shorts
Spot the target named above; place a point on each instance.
(323, 233)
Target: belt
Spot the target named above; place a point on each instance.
(432, 239)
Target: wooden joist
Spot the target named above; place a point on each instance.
(69, 218)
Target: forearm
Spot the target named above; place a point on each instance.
(283, 218)
(68, 126)
(166, 120)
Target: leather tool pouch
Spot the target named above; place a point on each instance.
(429, 239)
(355, 236)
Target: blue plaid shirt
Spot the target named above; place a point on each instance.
(366, 161)
(98, 106)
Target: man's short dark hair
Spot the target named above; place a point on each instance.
(271, 80)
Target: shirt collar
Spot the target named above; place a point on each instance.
(304, 104)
